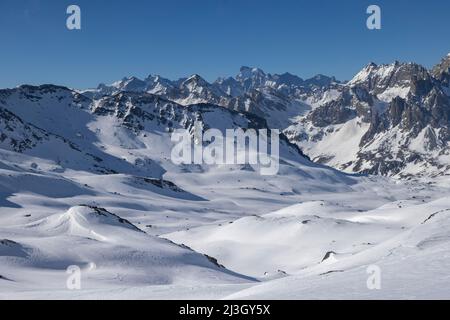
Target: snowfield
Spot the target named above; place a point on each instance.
(220, 235)
(92, 207)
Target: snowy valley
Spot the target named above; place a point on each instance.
(86, 180)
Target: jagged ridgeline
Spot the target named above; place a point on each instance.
(390, 119)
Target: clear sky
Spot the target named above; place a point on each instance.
(176, 38)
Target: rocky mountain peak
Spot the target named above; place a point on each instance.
(320, 80)
(390, 80)
(247, 72)
(442, 71)
(288, 79)
(195, 80)
(251, 78)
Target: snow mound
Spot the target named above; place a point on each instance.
(318, 234)
(87, 221)
(289, 240)
(108, 249)
(413, 264)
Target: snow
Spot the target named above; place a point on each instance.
(389, 94)
(243, 244)
(94, 187)
(402, 259)
(268, 253)
(363, 74)
(57, 210)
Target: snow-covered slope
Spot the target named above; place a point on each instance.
(75, 160)
(109, 250)
(317, 237)
(87, 180)
(412, 264)
(399, 119)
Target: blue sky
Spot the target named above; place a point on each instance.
(175, 38)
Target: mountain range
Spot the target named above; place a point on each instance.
(390, 120)
(87, 183)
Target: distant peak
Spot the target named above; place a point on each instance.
(245, 69)
(320, 76)
(130, 79)
(320, 80)
(287, 76)
(197, 79)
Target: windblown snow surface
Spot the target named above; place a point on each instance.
(309, 232)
